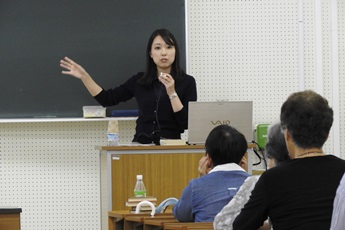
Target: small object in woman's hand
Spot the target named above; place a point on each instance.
(163, 75)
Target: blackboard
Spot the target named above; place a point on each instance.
(108, 38)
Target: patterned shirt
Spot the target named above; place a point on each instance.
(338, 216)
(224, 219)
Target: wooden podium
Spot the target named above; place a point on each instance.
(166, 170)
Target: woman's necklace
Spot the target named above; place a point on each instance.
(312, 152)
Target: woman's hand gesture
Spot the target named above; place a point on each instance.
(168, 81)
(72, 68)
(75, 70)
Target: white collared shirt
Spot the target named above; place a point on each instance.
(227, 167)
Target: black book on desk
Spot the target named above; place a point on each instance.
(10, 210)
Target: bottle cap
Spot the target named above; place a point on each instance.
(139, 177)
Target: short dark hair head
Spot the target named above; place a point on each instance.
(225, 144)
(308, 118)
(276, 146)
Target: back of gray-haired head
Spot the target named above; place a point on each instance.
(276, 146)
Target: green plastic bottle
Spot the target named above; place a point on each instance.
(139, 189)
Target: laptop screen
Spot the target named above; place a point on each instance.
(204, 116)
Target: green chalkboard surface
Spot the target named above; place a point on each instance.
(108, 38)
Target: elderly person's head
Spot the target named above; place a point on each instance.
(306, 119)
(276, 151)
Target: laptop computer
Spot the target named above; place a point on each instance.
(204, 116)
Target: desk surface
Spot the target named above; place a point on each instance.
(159, 221)
(124, 213)
(165, 220)
(155, 147)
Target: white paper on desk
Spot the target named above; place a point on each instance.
(135, 144)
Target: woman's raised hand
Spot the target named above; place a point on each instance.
(77, 71)
(72, 68)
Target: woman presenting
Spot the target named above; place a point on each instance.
(162, 92)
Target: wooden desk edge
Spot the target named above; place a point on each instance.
(155, 147)
(181, 225)
(142, 218)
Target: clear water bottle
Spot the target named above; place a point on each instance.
(139, 190)
(113, 133)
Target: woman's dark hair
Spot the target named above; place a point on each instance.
(151, 69)
(308, 118)
(225, 144)
(276, 146)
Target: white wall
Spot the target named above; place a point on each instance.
(265, 50)
(53, 172)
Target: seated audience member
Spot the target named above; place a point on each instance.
(221, 176)
(276, 150)
(338, 217)
(298, 194)
(276, 154)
